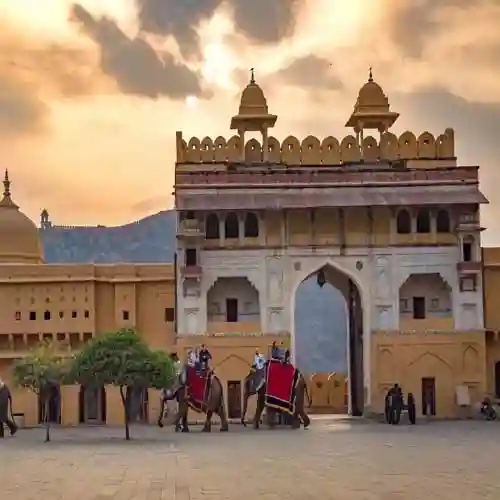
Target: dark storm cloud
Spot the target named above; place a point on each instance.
(265, 20)
(134, 64)
(176, 18)
(262, 21)
(307, 72)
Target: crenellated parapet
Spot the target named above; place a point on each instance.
(313, 151)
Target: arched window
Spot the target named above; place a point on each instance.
(443, 222)
(232, 226)
(423, 221)
(404, 222)
(251, 225)
(212, 227)
(468, 249)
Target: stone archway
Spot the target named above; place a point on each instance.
(348, 292)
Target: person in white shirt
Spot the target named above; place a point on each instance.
(192, 358)
(259, 364)
(259, 361)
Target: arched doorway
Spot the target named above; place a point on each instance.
(138, 401)
(92, 405)
(334, 342)
(53, 408)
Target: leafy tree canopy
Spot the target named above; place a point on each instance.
(41, 368)
(122, 359)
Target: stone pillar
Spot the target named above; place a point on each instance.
(241, 228)
(241, 134)
(114, 406)
(265, 145)
(222, 228)
(70, 404)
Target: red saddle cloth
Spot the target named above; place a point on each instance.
(198, 386)
(281, 384)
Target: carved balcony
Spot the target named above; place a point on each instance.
(191, 272)
(190, 229)
(469, 222)
(469, 267)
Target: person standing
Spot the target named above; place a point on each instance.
(397, 402)
(259, 364)
(275, 351)
(388, 406)
(412, 411)
(204, 357)
(6, 409)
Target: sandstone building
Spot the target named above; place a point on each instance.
(392, 222)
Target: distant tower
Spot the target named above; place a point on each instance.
(44, 220)
(253, 116)
(371, 111)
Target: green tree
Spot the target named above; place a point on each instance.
(39, 371)
(122, 359)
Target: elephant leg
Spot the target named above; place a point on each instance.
(162, 413)
(246, 395)
(208, 422)
(258, 412)
(305, 419)
(181, 417)
(221, 411)
(184, 421)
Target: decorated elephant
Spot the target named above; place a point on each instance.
(201, 392)
(255, 384)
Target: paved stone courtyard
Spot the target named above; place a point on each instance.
(335, 459)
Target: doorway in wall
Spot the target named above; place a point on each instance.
(333, 343)
(138, 401)
(234, 399)
(429, 396)
(92, 405)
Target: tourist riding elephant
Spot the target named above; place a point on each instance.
(253, 385)
(213, 404)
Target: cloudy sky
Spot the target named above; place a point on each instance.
(91, 93)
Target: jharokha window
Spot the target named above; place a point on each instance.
(423, 221)
(251, 225)
(403, 222)
(212, 227)
(443, 222)
(232, 228)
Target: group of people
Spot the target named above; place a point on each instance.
(260, 361)
(200, 358)
(394, 406)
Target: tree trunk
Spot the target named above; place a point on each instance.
(126, 404)
(46, 419)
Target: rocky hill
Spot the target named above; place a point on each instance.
(320, 315)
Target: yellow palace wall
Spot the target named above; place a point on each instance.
(106, 291)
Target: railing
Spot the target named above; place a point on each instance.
(191, 271)
(469, 267)
(342, 176)
(190, 228)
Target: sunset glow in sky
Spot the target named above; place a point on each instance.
(91, 94)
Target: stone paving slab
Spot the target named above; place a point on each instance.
(335, 459)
